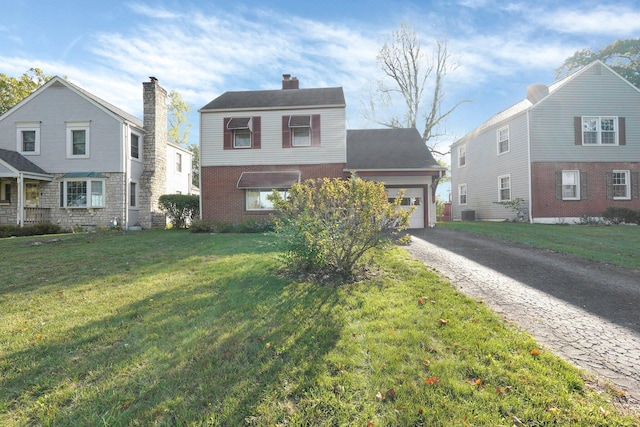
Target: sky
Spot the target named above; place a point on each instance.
(202, 49)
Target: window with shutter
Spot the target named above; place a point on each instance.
(241, 132)
(301, 131)
(599, 130)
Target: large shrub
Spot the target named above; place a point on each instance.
(327, 225)
(30, 230)
(181, 208)
(620, 214)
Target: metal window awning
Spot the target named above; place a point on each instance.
(268, 180)
(300, 121)
(83, 175)
(239, 123)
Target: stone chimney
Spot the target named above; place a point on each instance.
(536, 92)
(153, 182)
(289, 82)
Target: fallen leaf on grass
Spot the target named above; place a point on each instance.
(370, 424)
(443, 321)
(421, 301)
(603, 412)
(390, 395)
(432, 380)
(535, 352)
(553, 410)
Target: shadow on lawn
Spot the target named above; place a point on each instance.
(212, 352)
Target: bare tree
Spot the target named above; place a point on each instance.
(410, 73)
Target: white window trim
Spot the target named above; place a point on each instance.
(577, 184)
(89, 205)
(72, 126)
(466, 200)
(461, 149)
(598, 142)
(500, 199)
(241, 147)
(627, 184)
(499, 140)
(140, 146)
(28, 126)
(135, 183)
(179, 166)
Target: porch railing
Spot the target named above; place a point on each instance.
(36, 215)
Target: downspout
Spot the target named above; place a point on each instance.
(127, 175)
(529, 166)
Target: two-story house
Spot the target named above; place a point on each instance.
(568, 150)
(71, 158)
(254, 142)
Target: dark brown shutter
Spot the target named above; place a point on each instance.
(256, 133)
(577, 130)
(609, 182)
(635, 193)
(315, 130)
(584, 186)
(228, 135)
(559, 185)
(622, 133)
(286, 132)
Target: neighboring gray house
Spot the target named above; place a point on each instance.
(253, 142)
(569, 151)
(70, 158)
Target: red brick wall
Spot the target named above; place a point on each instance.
(222, 201)
(543, 185)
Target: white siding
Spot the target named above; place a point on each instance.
(53, 108)
(178, 182)
(588, 94)
(331, 150)
(484, 166)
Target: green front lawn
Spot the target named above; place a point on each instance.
(618, 245)
(173, 328)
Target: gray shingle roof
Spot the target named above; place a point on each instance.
(19, 162)
(388, 149)
(282, 98)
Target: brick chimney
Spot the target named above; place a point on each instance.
(153, 180)
(289, 82)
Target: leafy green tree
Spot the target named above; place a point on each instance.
(179, 126)
(328, 225)
(195, 164)
(13, 90)
(623, 56)
(181, 208)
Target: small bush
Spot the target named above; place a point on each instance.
(181, 208)
(201, 226)
(30, 230)
(620, 214)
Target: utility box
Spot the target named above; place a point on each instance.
(468, 215)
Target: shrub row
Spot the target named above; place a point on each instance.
(619, 215)
(249, 225)
(29, 230)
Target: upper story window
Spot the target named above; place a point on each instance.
(135, 146)
(28, 138)
(301, 131)
(599, 130)
(78, 137)
(241, 132)
(178, 162)
(503, 140)
(504, 188)
(462, 194)
(462, 156)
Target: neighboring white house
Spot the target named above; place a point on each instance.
(71, 158)
(253, 142)
(568, 151)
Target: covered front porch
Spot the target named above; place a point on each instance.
(21, 184)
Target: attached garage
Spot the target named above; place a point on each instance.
(413, 197)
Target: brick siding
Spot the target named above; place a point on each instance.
(543, 185)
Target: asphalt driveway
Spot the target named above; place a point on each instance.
(584, 311)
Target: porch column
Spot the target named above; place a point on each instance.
(20, 207)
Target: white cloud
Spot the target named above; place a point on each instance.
(151, 11)
(618, 21)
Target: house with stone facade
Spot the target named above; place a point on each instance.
(568, 151)
(254, 142)
(71, 158)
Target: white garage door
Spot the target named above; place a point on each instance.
(412, 197)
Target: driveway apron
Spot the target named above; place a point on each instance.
(586, 312)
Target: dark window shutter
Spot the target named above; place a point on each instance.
(315, 130)
(577, 129)
(635, 193)
(559, 185)
(256, 132)
(286, 132)
(62, 194)
(609, 176)
(622, 133)
(227, 139)
(584, 186)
